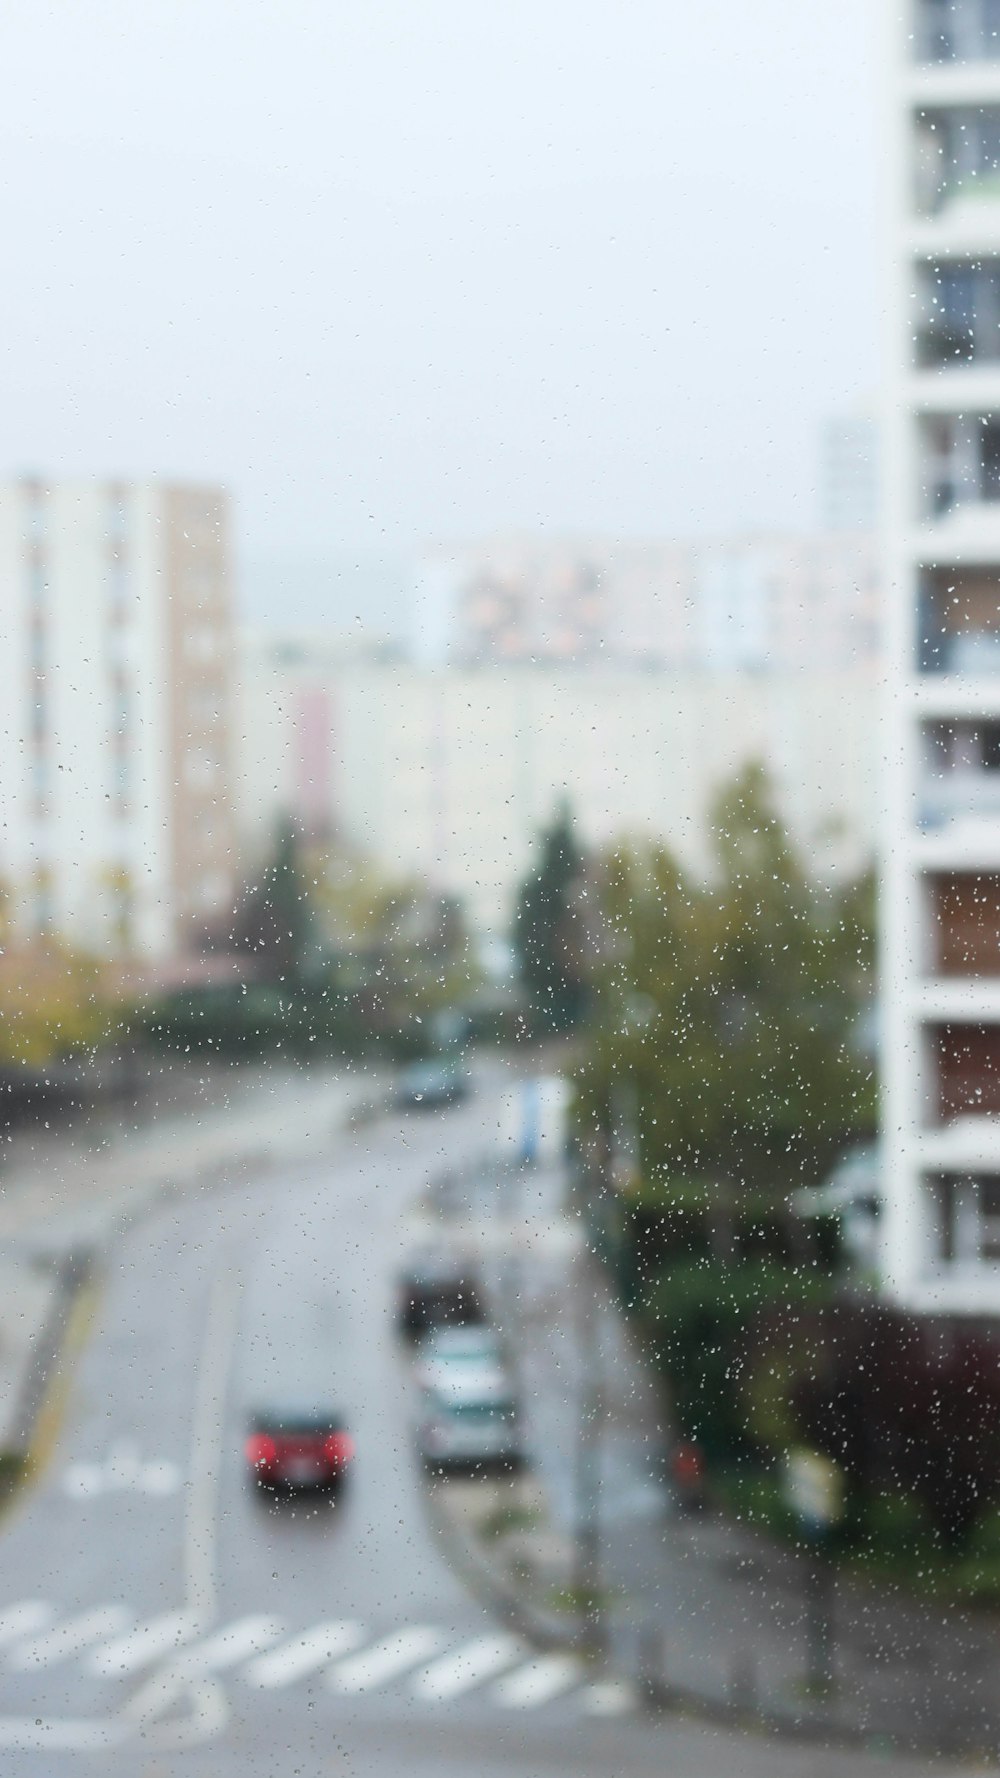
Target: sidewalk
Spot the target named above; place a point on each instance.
(74, 1181)
(723, 1606)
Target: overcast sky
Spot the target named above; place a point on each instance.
(397, 271)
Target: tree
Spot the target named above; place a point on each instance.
(907, 1407)
(54, 1003)
(274, 921)
(747, 1070)
(550, 933)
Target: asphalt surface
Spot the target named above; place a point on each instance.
(157, 1616)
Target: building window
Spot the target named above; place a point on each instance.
(970, 1207)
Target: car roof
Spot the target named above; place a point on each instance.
(438, 1268)
(484, 1388)
(296, 1415)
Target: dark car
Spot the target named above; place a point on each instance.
(298, 1447)
(436, 1290)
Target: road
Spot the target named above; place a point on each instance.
(157, 1617)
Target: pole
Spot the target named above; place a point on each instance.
(819, 1619)
(587, 1564)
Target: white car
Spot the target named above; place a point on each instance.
(463, 1359)
(456, 1434)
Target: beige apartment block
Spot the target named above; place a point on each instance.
(446, 774)
(115, 688)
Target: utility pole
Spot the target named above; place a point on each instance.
(590, 1407)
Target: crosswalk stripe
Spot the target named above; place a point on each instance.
(608, 1697)
(386, 1660)
(302, 1656)
(466, 1667)
(25, 1619)
(247, 1636)
(69, 1638)
(160, 1636)
(537, 1681)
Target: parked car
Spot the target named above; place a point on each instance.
(425, 1085)
(469, 1357)
(436, 1290)
(298, 1446)
(468, 1434)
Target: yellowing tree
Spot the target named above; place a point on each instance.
(53, 1003)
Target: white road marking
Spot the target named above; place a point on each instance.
(69, 1638)
(81, 1479)
(160, 1478)
(147, 1643)
(124, 1472)
(304, 1654)
(32, 1735)
(608, 1697)
(386, 1659)
(25, 1619)
(537, 1682)
(247, 1636)
(206, 1447)
(463, 1668)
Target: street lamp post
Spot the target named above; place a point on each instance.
(587, 1563)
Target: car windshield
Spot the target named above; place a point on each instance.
(475, 1346)
(500, 889)
(475, 1413)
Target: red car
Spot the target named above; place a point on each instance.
(292, 1448)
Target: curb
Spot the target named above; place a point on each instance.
(543, 1629)
(46, 1387)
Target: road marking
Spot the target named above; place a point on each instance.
(161, 1478)
(209, 1713)
(385, 1660)
(83, 1479)
(32, 1735)
(69, 1638)
(608, 1697)
(247, 1636)
(123, 1471)
(24, 1619)
(206, 1446)
(537, 1682)
(296, 1659)
(147, 1643)
(459, 1671)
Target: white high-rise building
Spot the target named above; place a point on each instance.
(941, 900)
(115, 823)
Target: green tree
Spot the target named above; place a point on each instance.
(746, 1063)
(275, 921)
(550, 935)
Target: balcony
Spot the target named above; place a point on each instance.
(961, 774)
(966, 1063)
(964, 929)
(959, 623)
(960, 796)
(958, 314)
(956, 161)
(957, 30)
(959, 464)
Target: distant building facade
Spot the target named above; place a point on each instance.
(446, 774)
(779, 603)
(850, 475)
(116, 829)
